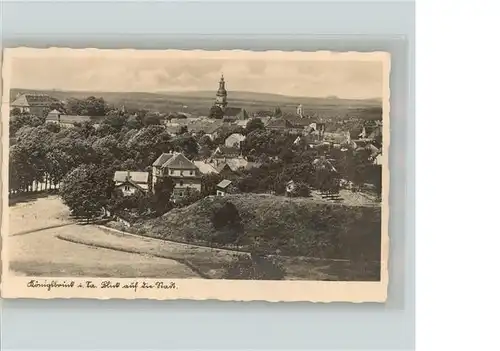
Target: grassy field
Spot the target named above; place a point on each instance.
(270, 224)
(199, 103)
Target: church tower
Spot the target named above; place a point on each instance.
(300, 111)
(221, 96)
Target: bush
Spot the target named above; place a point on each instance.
(191, 196)
(254, 267)
(227, 221)
(301, 190)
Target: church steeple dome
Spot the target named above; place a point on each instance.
(221, 96)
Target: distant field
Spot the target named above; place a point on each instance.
(200, 102)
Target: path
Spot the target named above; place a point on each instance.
(34, 249)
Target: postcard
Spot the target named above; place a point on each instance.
(227, 175)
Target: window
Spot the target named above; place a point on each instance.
(190, 172)
(127, 188)
(181, 183)
(171, 171)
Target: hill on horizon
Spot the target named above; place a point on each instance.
(199, 102)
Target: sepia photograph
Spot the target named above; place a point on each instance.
(231, 175)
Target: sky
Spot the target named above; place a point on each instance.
(347, 79)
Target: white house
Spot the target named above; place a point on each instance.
(131, 182)
(223, 187)
(234, 140)
(180, 169)
(205, 168)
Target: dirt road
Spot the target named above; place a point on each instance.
(33, 248)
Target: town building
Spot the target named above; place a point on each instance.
(67, 121)
(205, 168)
(206, 127)
(184, 173)
(223, 152)
(235, 114)
(36, 104)
(221, 108)
(234, 140)
(224, 187)
(284, 125)
(131, 182)
(338, 139)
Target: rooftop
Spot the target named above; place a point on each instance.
(138, 177)
(174, 160)
(39, 100)
(68, 118)
(224, 184)
(205, 168)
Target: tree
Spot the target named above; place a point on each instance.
(29, 153)
(15, 112)
(254, 124)
(187, 145)
(85, 191)
(206, 146)
(152, 119)
(115, 121)
(190, 197)
(227, 221)
(90, 106)
(24, 120)
(53, 127)
(160, 201)
(148, 143)
(209, 183)
(57, 105)
(301, 190)
(327, 181)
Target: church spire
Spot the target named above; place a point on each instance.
(221, 96)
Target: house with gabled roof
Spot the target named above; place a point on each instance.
(131, 182)
(224, 187)
(235, 114)
(284, 125)
(205, 168)
(68, 121)
(183, 172)
(36, 104)
(234, 140)
(223, 152)
(207, 127)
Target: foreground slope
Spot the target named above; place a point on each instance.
(274, 224)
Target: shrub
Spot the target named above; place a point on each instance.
(301, 190)
(227, 221)
(191, 196)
